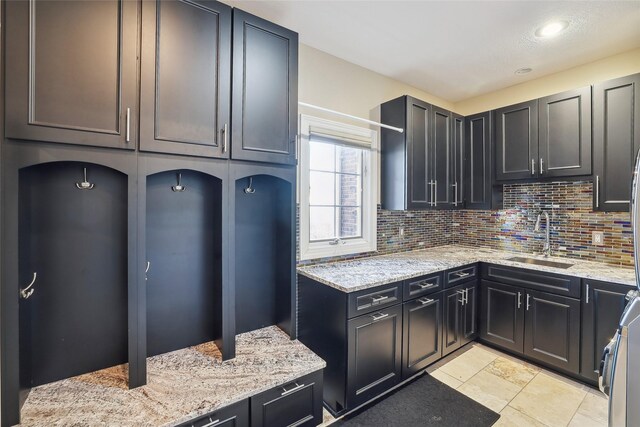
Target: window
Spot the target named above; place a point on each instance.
(338, 166)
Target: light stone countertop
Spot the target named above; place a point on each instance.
(364, 273)
(182, 385)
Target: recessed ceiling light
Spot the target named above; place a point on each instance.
(523, 70)
(551, 29)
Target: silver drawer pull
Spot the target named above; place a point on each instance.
(379, 316)
(291, 390)
(211, 422)
(461, 274)
(425, 301)
(425, 285)
(379, 298)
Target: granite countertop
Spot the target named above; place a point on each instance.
(182, 385)
(359, 274)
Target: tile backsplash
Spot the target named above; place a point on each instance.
(511, 228)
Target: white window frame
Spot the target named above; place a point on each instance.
(368, 241)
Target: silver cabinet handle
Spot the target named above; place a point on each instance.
(461, 274)
(461, 293)
(528, 303)
(27, 292)
(291, 390)
(432, 192)
(128, 131)
(587, 301)
(211, 423)
(435, 193)
(466, 296)
(225, 132)
(425, 301)
(519, 299)
(541, 168)
(426, 285)
(379, 316)
(379, 298)
(597, 191)
(455, 193)
(533, 166)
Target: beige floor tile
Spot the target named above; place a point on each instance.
(566, 380)
(468, 364)
(446, 379)
(549, 400)
(510, 417)
(593, 411)
(490, 390)
(327, 418)
(514, 372)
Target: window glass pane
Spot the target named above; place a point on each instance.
(321, 188)
(321, 223)
(349, 159)
(350, 222)
(348, 189)
(321, 156)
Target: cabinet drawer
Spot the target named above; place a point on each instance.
(296, 403)
(460, 275)
(532, 279)
(374, 299)
(423, 285)
(236, 415)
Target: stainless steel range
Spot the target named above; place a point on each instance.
(620, 366)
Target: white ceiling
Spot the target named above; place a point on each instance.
(458, 49)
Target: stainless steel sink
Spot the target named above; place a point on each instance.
(537, 261)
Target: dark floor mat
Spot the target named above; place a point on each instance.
(424, 402)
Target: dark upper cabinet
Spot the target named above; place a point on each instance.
(616, 139)
(441, 153)
(185, 91)
(374, 362)
(502, 315)
(564, 144)
(72, 72)
(460, 317)
(422, 333)
(478, 161)
(457, 160)
(516, 133)
(264, 90)
(602, 306)
(552, 330)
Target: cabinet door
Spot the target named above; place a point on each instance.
(602, 306)
(457, 161)
(552, 330)
(420, 184)
(298, 403)
(264, 90)
(185, 84)
(502, 315)
(441, 152)
(616, 139)
(374, 362)
(451, 339)
(517, 141)
(71, 72)
(479, 158)
(565, 133)
(422, 338)
(469, 315)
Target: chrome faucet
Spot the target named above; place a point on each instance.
(546, 249)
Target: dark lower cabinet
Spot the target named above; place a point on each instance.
(602, 306)
(298, 403)
(502, 315)
(460, 317)
(422, 333)
(235, 415)
(375, 354)
(552, 330)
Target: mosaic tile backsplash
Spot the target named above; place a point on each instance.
(511, 228)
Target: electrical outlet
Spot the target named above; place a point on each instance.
(401, 232)
(597, 238)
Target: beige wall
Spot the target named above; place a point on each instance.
(330, 82)
(604, 69)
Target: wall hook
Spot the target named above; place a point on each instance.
(26, 292)
(84, 185)
(146, 270)
(250, 189)
(179, 188)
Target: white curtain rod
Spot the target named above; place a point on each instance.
(371, 122)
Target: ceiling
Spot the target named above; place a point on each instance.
(458, 49)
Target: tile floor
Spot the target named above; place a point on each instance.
(524, 394)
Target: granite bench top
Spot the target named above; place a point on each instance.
(182, 385)
(364, 273)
